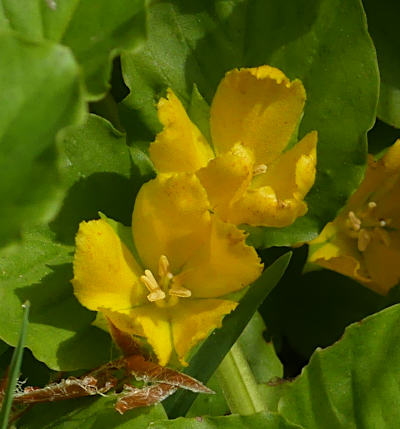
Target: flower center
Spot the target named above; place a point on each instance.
(165, 288)
(365, 226)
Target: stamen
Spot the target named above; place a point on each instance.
(355, 221)
(383, 236)
(382, 223)
(180, 291)
(152, 286)
(364, 239)
(259, 169)
(163, 267)
(371, 204)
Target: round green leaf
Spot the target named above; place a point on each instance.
(40, 93)
(96, 33)
(352, 384)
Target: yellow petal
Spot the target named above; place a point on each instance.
(391, 159)
(293, 173)
(194, 319)
(105, 273)
(226, 178)
(336, 251)
(261, 207)
(180, 147)
(148, 321)
(223, 265)
(383, 264)
(259, 107)
(171, 217)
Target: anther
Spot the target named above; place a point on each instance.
(259, 169)
(382, 223)
(180, 291)
(163, 266)
(152, 286)
(371, 204)
(364, 239)
(355, 221)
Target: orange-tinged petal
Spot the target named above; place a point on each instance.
(180, 146)
(226, 178)
(259, 107)
(383, 264)
(171, 217)
(194, 319)
(148, 321)
(261, 207)
(223, 265)
(105, 273)
(336, 251)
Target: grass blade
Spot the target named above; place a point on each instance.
(14, 371)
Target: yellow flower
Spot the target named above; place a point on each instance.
(363, 242)
(253, 177)
(189, 260)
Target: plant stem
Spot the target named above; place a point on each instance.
(238, 383)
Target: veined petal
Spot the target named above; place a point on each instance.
(223, 265)
(261, 207)
(148, 321)
(293, 173)
(226, 178)
(259, 107)
(194, 319)
(105, 273)
(336, 251)
(171, 217)
(180, 146)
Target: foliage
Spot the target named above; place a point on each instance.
(79, 87)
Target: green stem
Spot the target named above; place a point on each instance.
(238, 383)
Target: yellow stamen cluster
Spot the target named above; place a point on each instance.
(365, 226)
(165, 284)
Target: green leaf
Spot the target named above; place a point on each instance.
(382, 24)
(13, 374)
(325, 43)
(262, 361)
(95, 34)
(39, 270)
(354, 383)
(96, 168)
(265, 420)
(260, 355)
(210, 354)
(312, 310)
(89, 413)
(34, 106)
(210, 405)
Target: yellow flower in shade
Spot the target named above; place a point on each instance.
(189, 260)
(253, 177)
(363, 242)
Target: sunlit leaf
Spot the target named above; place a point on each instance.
(95, 33)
